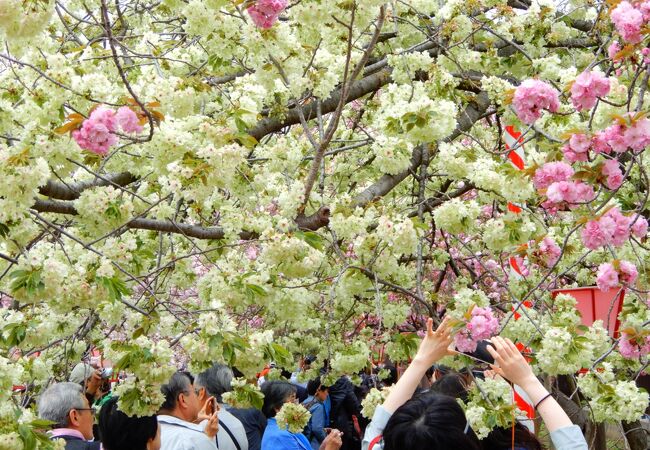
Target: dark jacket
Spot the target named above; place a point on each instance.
(254, 423)
(345, 405)
(75, 443)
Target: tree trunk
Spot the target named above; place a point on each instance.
(636, 434)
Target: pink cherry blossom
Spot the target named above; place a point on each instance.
(637, 137)
(586, 89)
(265, 13)
(550, 173)
(97, 132)
(640, 227)
(613, 136)
(128, 120)
(612, 171)
(607, 277)
(531, 97)
(629, 347)
(599, 143)
(628, 22)
(549, 251)
(592, 235)
(627, 272)
(570, 192)
(482, 325)
(613, 50)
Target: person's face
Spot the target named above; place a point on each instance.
(154, 443)
(191, 403)
(322, 394)
(82, 419)
(292, 398)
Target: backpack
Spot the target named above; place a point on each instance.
(311, 406)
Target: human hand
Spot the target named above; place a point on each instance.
(332, 441)
(435, 344)
(212, 426)
(510, 363)
(94, 382)
(209, 407)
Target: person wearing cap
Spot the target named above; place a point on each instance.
(66, 406)
(89, 378)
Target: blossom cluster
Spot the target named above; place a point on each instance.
(613, 228)
(481, 325)
(292, 417)
(533, 96)
(265, 13)
(629, 20)
(97, 132)
(611, 275)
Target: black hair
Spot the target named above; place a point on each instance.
(121, 432)
(430, 421)
(451, 384)
(275, 395)
(314, 385)
(500, 438)
(180, 383)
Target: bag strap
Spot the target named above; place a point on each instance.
(376, 440)
(232, 436)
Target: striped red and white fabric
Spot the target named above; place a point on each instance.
(517, 157)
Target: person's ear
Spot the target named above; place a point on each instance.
(73, 417)
(180, 400)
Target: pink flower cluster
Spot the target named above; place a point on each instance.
(577, 149)
(612, 228)
(612, 171)
(633, 347)
(482, 325)
(531, 97)
(619, 138)
(549, 251)
(551, 173)
(613, 50)
(97, 133)
(586, 89)
(265, 13)
(608, 277)
(629, 20)
(571, 193)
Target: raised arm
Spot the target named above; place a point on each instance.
(511, 365)
(433, 347)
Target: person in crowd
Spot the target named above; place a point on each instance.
(315, 429)
(301, 391)
(452, 384)
(90, 379)
(66, 405)
(345, 411)
(213, 383)
(252, 419)
(435, 421)
(179, 416)
(305, 365)
(121, 432)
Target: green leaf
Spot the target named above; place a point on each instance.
(116, 287)
(312, 239)
(30, 281)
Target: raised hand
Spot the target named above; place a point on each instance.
(510, 363)
(435, 344)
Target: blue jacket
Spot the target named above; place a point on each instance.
(276, 439)
(315, 430)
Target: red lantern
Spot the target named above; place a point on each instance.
(595, 304)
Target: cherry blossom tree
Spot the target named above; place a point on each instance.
(250, 181)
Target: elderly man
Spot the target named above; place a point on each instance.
(66, 405)
(179, 416)
(213, 383)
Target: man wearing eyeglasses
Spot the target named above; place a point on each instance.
(66, 405)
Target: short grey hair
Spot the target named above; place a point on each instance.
(216, 380)
(56, 402)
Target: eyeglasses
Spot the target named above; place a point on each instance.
(92, 410)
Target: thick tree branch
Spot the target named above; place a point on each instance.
(386, 183)
(312, 222)
(62, 191)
